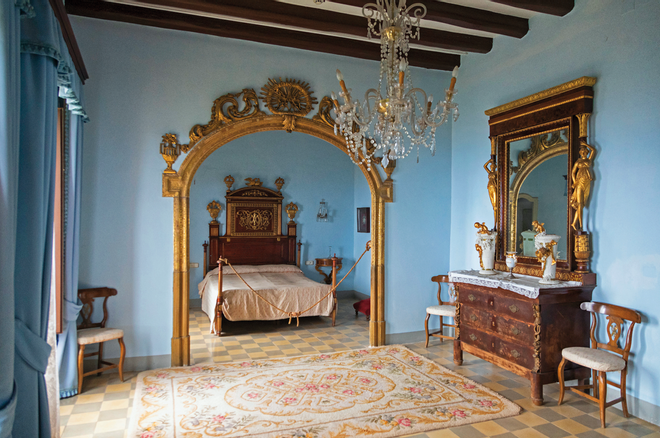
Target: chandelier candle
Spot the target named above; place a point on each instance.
(394, 118)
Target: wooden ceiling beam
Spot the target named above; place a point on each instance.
(251, 32)
(466, 17)
(552, 7)
(319, 20)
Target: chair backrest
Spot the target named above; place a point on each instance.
(616, 315)
(444, 279)
(87, 297)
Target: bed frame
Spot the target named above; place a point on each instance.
(254, 233)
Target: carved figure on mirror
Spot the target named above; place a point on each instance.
(491, 169)
(581, 177)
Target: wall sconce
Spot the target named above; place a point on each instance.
(322, 215)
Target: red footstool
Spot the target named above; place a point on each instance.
(363, 306)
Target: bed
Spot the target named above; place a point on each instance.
(266, 258)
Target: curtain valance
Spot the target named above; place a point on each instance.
(41, 35)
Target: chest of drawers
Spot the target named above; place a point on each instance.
(523, 335)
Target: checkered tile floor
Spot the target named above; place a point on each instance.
(103, 409)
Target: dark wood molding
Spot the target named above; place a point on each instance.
(320, 20)
(469, 18)
(251, 32)
(552, 7)
(69, 38)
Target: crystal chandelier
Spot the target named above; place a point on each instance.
(375, 130)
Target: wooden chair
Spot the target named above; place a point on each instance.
(600, 361)
(97, 333)
(443, 309)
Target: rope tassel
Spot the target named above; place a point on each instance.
(297, 315)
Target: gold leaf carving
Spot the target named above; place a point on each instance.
(288, 97)
(540, 144)
(255, 219)
(253, 182)
(537, 338)
(324, 112)
(584, 81)
(254, 193)
(226, 110)
(279, 182)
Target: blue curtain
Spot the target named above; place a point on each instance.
(34, 230)
(9, 109)
(67, 341)
(45, 66)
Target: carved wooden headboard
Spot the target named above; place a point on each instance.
(255, 230)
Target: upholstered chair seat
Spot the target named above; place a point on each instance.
(96, 335)
(602, 357)
(444, 310)
(598, 360)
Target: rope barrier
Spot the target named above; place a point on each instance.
(297, 315)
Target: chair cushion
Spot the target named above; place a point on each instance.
(96, 335)
(598, 360)
(445, 310)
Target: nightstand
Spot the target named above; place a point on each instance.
(327, 263)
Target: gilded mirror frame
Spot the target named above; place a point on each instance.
(512, 190)
(229, 121)
(566, 106)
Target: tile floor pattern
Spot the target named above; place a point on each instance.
(104, 407)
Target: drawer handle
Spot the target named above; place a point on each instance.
(513, 308)
(471, 297)
(473, 337)
(473, 317)
(515, 354)
(515, 331)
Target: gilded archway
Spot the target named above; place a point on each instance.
(229, 121)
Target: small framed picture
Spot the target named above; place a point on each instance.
(363, 220)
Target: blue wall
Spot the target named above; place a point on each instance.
(145, 82)
(619, 43)
(269, 155)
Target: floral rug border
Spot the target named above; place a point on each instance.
(386, 423)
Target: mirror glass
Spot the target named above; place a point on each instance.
(538, 190)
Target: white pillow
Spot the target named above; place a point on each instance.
(257, 269)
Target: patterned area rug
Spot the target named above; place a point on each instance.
(380, 392)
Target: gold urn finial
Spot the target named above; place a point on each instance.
(214, 209)
(483, 229)
(279, 182)
(229, 181)
(170, 149)
(291, 210)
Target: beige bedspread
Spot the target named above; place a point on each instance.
(290, 291)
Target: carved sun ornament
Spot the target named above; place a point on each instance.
(290, 98)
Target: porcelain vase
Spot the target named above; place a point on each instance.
(486, 242)
(545, 241)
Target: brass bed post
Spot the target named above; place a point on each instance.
(205, 245)
(299, 244)
(218, 304)
(334, 285)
